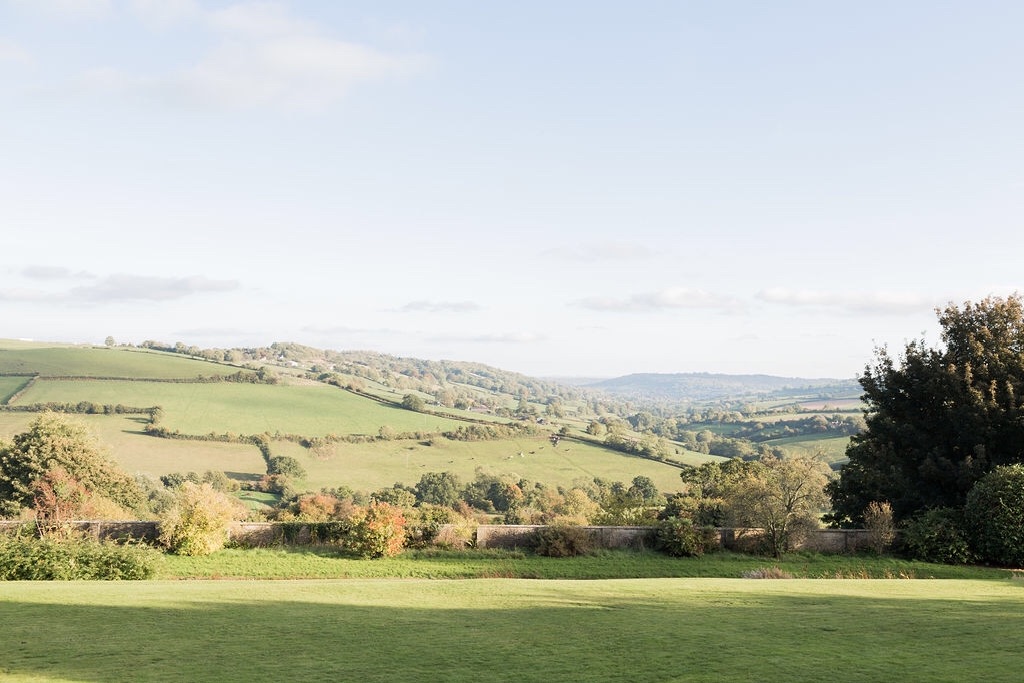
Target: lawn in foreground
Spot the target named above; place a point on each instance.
(512, 629)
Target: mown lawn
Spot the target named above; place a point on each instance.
(513, 629)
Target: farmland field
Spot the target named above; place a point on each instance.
(122, 438)
(382, 463)
(362, 466)
(829, 449)
(102, 362)
(502, 629)
(9, 386)
(309, 410)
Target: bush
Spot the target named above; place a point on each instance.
(879, 523)
(197, 522)
(994, 516)
(287, 466)
(937, 535)
(26, 558)
(767, 573)
(378, 532)
(564, 540)
(678, 537)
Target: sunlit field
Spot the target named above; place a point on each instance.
(510, 629)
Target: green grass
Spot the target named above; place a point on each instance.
(375, 465)
(321, 562)
(91, 361)
(828, 449)
(122, 438)
(10, 386)
(500, 629)
(309, 410)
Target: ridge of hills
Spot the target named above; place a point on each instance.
(368, 420)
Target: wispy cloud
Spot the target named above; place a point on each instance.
(262, 55)
(68, 9)
(602, 251)
(13, 53)
(119, 288)
(113, 288)
(665, 299)
(53, 273)
(424, 306)
(497, 338)
(890, 303)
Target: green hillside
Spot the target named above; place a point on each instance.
(300, 401)
(88, 361)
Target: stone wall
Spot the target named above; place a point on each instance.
(521, 536)
(487, 535)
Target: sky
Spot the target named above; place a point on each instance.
(572, 188)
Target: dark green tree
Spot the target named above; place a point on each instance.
(994, 516)
(438, 488)
(938, 418)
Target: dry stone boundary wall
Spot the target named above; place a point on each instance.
(487, 535)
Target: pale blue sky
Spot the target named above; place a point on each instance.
(555, 188)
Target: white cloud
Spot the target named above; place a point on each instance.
(112, 288)
(69, 9)
(260, 55)
(288, 72)
(52, 273)
(440, 307)
(260, 20)
(892, 303)
(666, 299)
(165, 12)
(118, 288)
(497, 338)
(13, 53)
(603, 251)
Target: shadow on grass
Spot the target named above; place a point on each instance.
(498, 631)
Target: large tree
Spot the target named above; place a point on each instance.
(54, 444)
(938, 418)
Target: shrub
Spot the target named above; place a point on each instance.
(994, 516)
(378, 532)
(678, 537)
(287, 466)
(767, 573)
(937, 535)
(564, 540)
(879, 523)
(197, 522)
(26, 558)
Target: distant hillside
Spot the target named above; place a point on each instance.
(703, 386)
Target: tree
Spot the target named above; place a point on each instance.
(53, 443)
(197, 522)
(379, 531)
(938, 419)
(286, 465)
(994, 516)
(438, 488)
(783, 497)
(413, 402)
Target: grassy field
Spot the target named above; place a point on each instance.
(504, 629)
(325, 562)
(375, 465)
(122, 438)
(88, 361)
(309, 410)
(11, 385)
(367, 466)
(828, 449)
